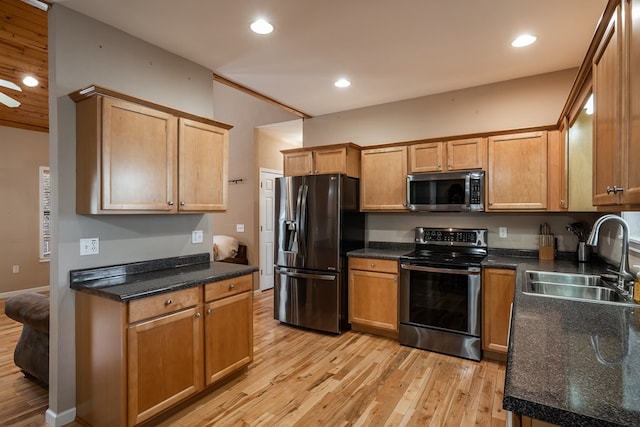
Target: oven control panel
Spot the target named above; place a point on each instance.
(452, 236)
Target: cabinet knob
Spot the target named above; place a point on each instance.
(170, 203)
(168, 302)
(209, 311)
(316, 172)
(182, 203)
(372, 265)
(198, 314)
(232, 286)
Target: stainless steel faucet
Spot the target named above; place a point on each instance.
(624, 276)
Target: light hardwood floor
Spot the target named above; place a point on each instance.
(302, 378)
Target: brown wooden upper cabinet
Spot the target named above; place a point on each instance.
(463, 154)
(338, 158)
(517, 172)
(383, 184)
(136, 157)
(616, 145)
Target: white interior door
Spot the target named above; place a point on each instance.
(267, 220)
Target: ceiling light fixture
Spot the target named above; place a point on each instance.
(30, 81)
(261, 26)
(342, 83)
(523, 40)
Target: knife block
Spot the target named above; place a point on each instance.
(546, 248)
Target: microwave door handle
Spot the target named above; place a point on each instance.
(467, 190)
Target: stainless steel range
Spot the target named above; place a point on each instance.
(440, 291)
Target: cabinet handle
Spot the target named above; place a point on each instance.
(198, 314)
(615, 189)
(168, 302)
(182, 203)
(170, 203)
(232, 286)
(209, 311)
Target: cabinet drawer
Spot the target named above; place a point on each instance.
(371, 264)
(158, 305)
(225, 288)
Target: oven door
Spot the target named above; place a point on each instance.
(446, 299)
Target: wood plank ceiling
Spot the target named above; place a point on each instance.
(24, 51)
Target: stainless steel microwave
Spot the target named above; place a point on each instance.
(448, 191)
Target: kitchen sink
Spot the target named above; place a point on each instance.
(562, 278)
(572, 286)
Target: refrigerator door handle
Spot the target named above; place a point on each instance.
(302, 220)
(305, 275)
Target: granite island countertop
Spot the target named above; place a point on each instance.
(570, 362)
(126, 282)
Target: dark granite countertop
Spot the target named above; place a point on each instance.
(571, 363)
(383, 250)
(127, 282)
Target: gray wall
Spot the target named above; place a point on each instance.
(513, 104)
(246, 113)
(83, 52)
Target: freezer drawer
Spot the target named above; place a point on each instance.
(312, 300)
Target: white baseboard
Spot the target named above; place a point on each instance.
(54, 419)
(5, 295)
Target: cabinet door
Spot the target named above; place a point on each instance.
(427, 157)
(518, 172)
(498, 287)
(373, 299)
(383, 179)
(228, 335)
(298, 164)
(466, 154)
(330, 161)
(164, 362)
(138, 157)
(607, 66)
(203, 166)
(557, 172)
(630, 155)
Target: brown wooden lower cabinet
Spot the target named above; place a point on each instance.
(498, 287)
(135, 360)
(532, 422)
(373, 295)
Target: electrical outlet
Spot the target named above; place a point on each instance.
(503, 232)
(197, 236)
(90, 246)
(240, 228)
(16, 269)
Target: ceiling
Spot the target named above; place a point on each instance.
(390, 50)
(23, 51)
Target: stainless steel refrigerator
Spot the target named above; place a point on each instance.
(318, 222)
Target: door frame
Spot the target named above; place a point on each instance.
(261, 243)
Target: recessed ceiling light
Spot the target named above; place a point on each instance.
(30, 81)
(523, 40)
(261, 26)
(342, 83)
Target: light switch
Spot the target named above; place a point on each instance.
(240, 228)
(197, 236)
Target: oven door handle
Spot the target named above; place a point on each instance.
(470, 272)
